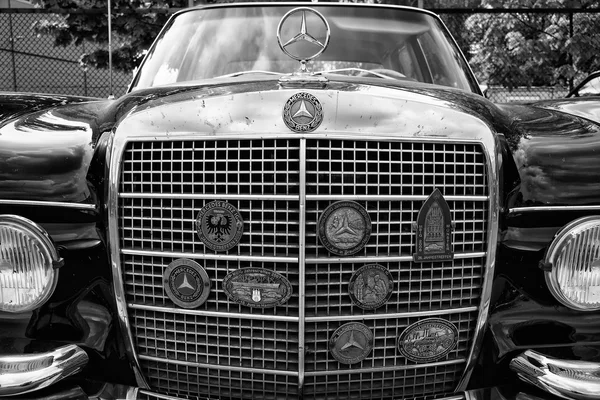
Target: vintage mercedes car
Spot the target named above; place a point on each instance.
(308, 201)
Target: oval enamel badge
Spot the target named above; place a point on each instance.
(219, 226)
(186, 283)
(428, 340)
(344, 228)
(351, 343)
(257, 287)
(371, 286)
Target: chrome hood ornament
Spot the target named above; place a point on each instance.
(299, 38)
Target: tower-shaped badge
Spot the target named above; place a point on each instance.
(434, 230)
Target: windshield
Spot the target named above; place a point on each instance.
(391, 43)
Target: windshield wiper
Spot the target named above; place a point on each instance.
(253, 71)
(361, 70)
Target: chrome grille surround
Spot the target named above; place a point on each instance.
(311, 324)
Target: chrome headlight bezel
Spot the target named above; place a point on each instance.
(574, 251)
(39, 257)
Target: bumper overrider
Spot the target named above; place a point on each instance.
(30, 372)
(564, 378)
(21, 374)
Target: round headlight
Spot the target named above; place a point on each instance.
(573, 265)
(28, 261)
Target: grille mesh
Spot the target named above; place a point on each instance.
(225, 350)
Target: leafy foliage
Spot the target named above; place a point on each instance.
(135, 24)
(533, 49)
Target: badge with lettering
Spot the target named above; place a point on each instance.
(428, 340)
(371, 286)
(434, 230)
(351, 343)
(186, 283)
(303, 112)
(219, 225)
(257, 287)
(344, 228)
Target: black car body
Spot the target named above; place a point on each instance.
(337, 234)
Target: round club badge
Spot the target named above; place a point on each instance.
(371, 286)
(344, 228)
(219, 225)
(351, 343)
(303, 113)
(186, 283)
(428, 340)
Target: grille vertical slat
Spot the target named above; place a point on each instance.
(214, 351)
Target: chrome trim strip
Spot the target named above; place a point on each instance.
(314, 197)
(206, 196)
(493, 154)
(209, 256)
(37, 203)
(166, 397)
(216, 366)
(460, 256)
(568, 379)
(392, 316)
(114, 245)
(202, 313)
(516, 210)
(340, 260)
(382, 369)
(159, 395)
(25, 373)
(371, 137)
(302, 269)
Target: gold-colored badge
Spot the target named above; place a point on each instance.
(428, 340)
(344, 228)
(186, 283)
(257, 287)
(371, 286)
(434, 230)
(219, 225)
(351, 343)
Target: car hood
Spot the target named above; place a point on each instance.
(47, 154)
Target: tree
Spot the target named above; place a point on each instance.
(530, 48)
(135, 24)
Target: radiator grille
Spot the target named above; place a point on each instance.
(224, 350)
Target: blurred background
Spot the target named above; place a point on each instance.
(519, 50)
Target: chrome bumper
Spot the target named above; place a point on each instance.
(26, 373)
(575, 380)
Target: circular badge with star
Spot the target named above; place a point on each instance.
(344, 228)
(186, 283)
(303, 113)
(351, 343)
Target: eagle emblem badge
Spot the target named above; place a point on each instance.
(219, 226)
(186, 283)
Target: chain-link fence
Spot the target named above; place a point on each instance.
(519, 54)
(31, 63)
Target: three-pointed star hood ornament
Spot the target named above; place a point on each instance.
(303, 35)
